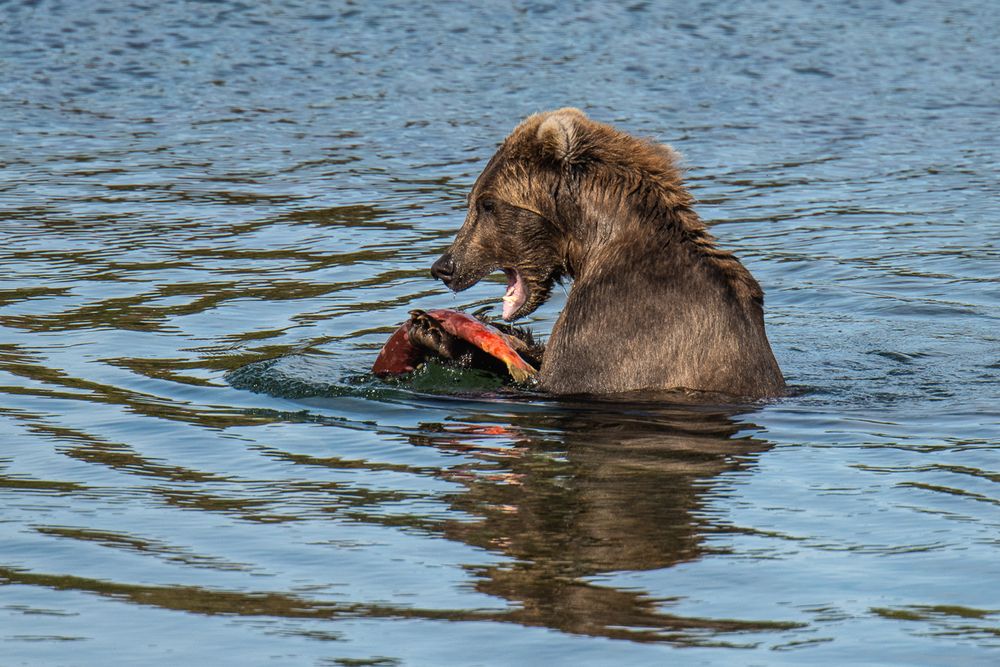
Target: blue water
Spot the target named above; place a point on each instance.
(212, 215)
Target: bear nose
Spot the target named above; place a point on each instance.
(444, 268)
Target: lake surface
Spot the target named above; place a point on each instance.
(212, 215)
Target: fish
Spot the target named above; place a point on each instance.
(399, 355)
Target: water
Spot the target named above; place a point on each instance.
(212, 214)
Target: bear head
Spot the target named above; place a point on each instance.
(550, 195)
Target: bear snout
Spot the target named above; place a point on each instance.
(444, 268)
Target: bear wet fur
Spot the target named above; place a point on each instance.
(654, 305)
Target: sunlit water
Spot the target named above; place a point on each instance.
(212, 214)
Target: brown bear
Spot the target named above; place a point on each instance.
(654, 305)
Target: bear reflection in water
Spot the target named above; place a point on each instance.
(592, 488)
(654, 304)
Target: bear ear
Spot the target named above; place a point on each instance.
(559, 134)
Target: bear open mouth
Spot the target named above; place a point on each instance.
(516, 295)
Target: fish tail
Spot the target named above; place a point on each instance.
(521, 374)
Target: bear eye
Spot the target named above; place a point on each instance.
(488, 206)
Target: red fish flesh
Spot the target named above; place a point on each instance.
(399, 355)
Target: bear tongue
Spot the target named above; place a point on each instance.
(516, 294)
